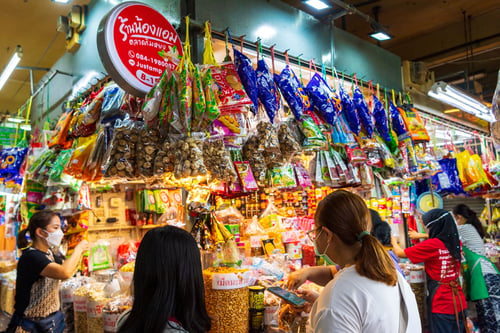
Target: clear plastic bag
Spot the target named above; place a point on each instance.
(218, 161)
(146, 151)
(189, 159)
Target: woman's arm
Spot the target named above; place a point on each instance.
(318, 274)
(68, 267)
(417, 235)
(397, 249)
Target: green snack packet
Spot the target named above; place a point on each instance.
(199, 104)
(58, 166)
(162, 201)
(211, 101)
(149, 201)
(313, 134)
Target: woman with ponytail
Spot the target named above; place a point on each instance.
(367, 294)
(482, 277)
(39, 271)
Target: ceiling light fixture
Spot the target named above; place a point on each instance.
(61, 1)
(461, 100)
(317, 4)
(380, 35)
(26, 127)
(16, 120)
(11, 66)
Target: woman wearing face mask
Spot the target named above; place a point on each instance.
(39, 271)
(441, 254)
(367, 294)
(483, 278)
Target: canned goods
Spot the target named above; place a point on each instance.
(256, 297)
(256, 321)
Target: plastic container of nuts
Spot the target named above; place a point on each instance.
(226, 294)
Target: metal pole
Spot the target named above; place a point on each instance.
(32, 85)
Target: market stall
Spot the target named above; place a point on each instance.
(238, 150)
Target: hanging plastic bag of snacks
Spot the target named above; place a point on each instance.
(398, 123)
(293, 92)
(218, 161)
(322, 98)
(253, 154)
(165, 159)
(363, 111)
(314, 138)
(269, 143)
(80, 155)
(11, 160)
(349, 111)
(381, 122)
(152, 101)
(199, 101)
(211, 100)
(414, 124)
(146, 151)
(248, 77)
(93, 166)
(112, 102)
(288, 143)
(122, 159)
(58, 167)
(189, 159)
(267, 90)
(60, 138)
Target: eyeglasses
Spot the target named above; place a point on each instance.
(312, 233)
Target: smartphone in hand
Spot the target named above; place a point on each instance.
(287, 296)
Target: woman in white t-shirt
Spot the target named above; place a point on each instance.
(367, 294)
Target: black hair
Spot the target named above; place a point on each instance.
(470, 216)
(382, 231)
(376, 219)
(38, 220)
(168, 284)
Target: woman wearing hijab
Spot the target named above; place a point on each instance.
(441, 254)
(482, 278)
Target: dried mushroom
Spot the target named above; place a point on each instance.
(147, 147)
(188, 159)
(122, 159)
(218, 161)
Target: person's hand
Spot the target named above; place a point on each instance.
(297, 278)
(416, 235)
(309, 295)
(82, 246)
(394, 241)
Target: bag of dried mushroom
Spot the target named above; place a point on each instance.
(122, 158)
(226, 296)
(189, 158)
(147, 148)
(218, 161)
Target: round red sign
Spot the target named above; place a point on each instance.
(129, 39)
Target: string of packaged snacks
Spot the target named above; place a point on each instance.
(238, 156)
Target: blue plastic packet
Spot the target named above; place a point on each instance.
(363, 112)
(322, 98)
(11, 160)
(268, 93)
(381, 122)
(398, 124)
(293, 92)
(349, 112)
(248, 77)
(448, 180)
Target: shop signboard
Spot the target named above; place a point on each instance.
(129, 39)
(8, 136)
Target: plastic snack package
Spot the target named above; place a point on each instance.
(232, 95)
(349, 111)
(199, 102)
(303, 177)
(314, 138)
(211, 101)
(283, 177)
(57, 169)
(248, 77)
(293, 92)
(153, 99)
(11, 161)
(322, 98)
(185, 88)
(93, 166)
(254, 155)
(189, 158)
(245, 175)
(146, 151)
(448, 180)
(381, 122)
(230, 125)
(288, 143)
(165, 159)
(363, 111)
(60, 138)
(268, 92)
(91, 111)
(112, 102)
(122, 158)
(75, 166)
(218, 161)
(398, 124)
(414, 123)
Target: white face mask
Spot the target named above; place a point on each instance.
(54, 238)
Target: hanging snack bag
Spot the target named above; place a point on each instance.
(314, 138)
(414, 123)
(153, 99)
(448, 180)
(165, 159)
(189, 159)
(218, 161)
(76, 164)
(93, 166)
(146, 151)
(199, 102)
(254, 155)
(60, 137)
(349, 111)
(11, 161)
(398, 124)
(232, 96)
(185, 88)
(245, 174)
(112, 103)
(57, 169)
(293, 92)
(322, 98)
(211, 100)
(288, 144)
(162, 201)
(268, 92)
(381, 122)
(303, 177)
(99, 256)
(122, 159)
(248, 77)
(363, 111)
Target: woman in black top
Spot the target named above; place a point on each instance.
(39, 271)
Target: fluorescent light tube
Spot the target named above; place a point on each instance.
(61, 1)
(380, 36)
(317, 4)
(16, 120)
(10, 67)
(26, 127)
